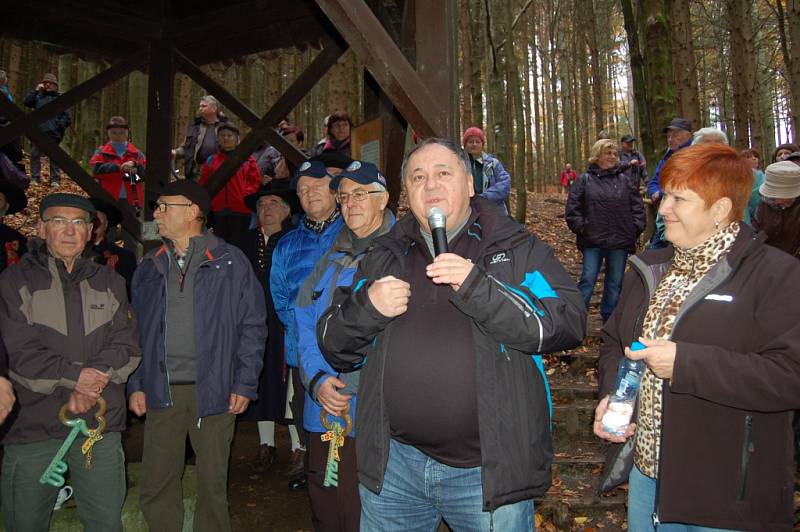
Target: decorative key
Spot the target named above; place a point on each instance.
(54, 474)
(335, 435)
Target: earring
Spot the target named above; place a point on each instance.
(716, 224)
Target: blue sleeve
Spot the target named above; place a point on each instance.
(654, 186)
(311, 362)
(498, 192)
(281, 297)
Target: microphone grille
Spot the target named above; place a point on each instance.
(436, 218)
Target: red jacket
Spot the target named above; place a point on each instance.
(105, 165)
(568, 177)
(245, 181)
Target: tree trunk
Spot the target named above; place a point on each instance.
(743, 63)
(477, 30)
(514, 85)
(684, 62)
(496, 93)
(588, 18)
(646, 133)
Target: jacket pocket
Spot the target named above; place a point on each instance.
(747, 450)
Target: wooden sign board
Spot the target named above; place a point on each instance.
(367, 142)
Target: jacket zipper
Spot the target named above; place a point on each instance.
(747, 449)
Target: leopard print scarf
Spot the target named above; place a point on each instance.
(688, 267)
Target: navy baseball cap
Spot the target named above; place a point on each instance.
(679, 123)
(315, 169)
(360, 172)
(628, 138)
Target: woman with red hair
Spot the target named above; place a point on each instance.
(717, 313)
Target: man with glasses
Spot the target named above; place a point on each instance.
(362, 196)
(71, 339)
(203, 329)
(293, 259)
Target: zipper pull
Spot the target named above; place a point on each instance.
(656, 521)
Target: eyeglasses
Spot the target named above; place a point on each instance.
(359, 195)
(57, 222)
(162, 207)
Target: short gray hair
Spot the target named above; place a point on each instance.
(450, 145)
(707, 135)
(210, 100)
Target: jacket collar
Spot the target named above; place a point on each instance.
(40, 255)
(108, 149)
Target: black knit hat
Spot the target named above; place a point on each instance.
(63, 199)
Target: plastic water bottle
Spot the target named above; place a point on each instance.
(622, 402)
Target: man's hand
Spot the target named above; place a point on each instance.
(80, 403)
(659, 356)
(92, 382)
(40, 87)
(128, 166)
(137, 403)
(599, 412)
(329, 397)
(634, 162)
(449, 268)
(389, 295)
(6, 398)
(238, 403)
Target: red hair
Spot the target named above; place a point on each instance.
(712, 171)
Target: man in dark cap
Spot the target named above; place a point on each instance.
(118, 259)
(679, 136)
(203, 321)
(55, 127)
(72, 340)
(13, 244)
(293, 259)
(273, 204)
(629, 156)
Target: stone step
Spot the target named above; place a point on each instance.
(573, 500)
(573, 419)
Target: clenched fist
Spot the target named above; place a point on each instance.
(389, 295)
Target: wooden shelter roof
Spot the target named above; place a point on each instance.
(205, 30)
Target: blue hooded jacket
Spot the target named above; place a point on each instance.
(293, 259)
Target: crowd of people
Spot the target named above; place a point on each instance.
(405, 355)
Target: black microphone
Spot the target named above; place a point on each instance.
(438, 224)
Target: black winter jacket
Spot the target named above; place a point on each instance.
(605, 209)
(726, 434)
(54, 127)
(521, 301)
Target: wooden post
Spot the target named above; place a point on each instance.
(160, 83)
(436, 60)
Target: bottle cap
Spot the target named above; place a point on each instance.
(638, 346)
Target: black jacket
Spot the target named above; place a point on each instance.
(605, 209)
(726, 436)
(54, 127)
(521, 302)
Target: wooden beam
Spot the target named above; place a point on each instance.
(72, 97)
(436, 60)
(355, 21)
(263, 128)
(160, 89)
(75, 171)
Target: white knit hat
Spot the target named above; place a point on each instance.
(782, 181)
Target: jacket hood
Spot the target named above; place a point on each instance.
(344, 240)
(601, 172)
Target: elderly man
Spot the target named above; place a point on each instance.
(201, 137)
(361, 193)
(293, 259)
(453, 409)
(679, 136)
(71, 339)
(203, 328)
(628, 155)
(44, 93)
(13, 244)
(273, 205)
